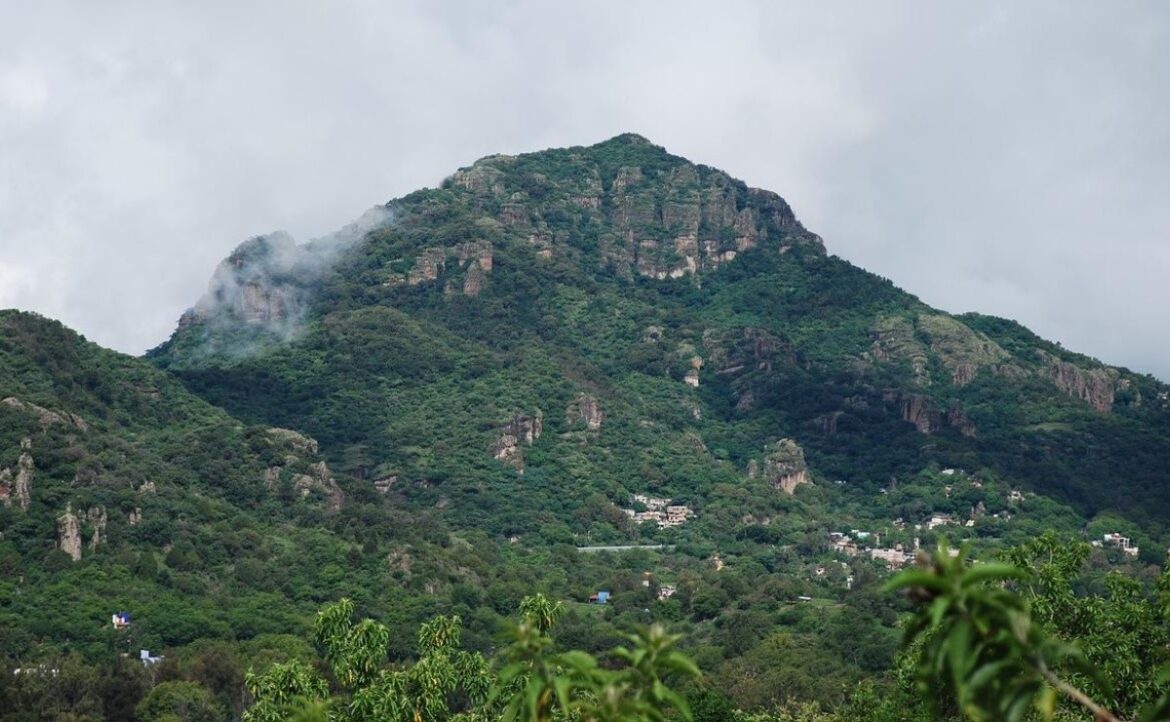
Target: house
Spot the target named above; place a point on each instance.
(842, 544)
(148, 660)
(937, 520)
(666, 591)
(659, 511)
(675, 515)
(599, 598)
(1121, 542)
(121, 620)
(894, 558)
(651, 502)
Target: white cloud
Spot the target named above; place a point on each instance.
(1010, 159)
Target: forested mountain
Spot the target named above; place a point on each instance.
(657, 324)
(440, 408)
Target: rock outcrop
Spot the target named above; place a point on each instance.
(69, 533)
(917, 409)
(294, 440)
(317, 478)
(957, 418)
(97, 519)
(666, 220)
(784, 466)
(894, 340)
(961, 350)
(46, 416)
(69, 529)
(520, 429)
(692, 376)
(305, 477)
(17, 485)
(474, 259)
(585, 409)
(1094, 386)
(267, 280)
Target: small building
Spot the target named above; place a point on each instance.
(147, 659)
(121, 620)
(937, 520)
(1122, 543)
(894, 558)
(842, 544)
(599, 598)
(666, 591)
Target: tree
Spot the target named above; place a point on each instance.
(977, 641)
(183, 701)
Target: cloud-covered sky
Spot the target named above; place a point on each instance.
(1009, 158)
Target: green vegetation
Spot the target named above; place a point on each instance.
(432, 425)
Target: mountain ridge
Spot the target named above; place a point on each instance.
(527, 250)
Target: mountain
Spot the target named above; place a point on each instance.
(614, 319)
(580, 370)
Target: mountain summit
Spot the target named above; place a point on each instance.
(612, 319)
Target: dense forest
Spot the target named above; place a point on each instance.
(589, 433)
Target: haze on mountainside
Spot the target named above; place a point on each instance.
(455, 401)
(633, 262)
(977, 156)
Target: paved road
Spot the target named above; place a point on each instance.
(588, 550)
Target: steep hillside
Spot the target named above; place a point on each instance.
(453, 347)
(119, 490)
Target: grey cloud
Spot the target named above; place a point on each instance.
(1008, 158)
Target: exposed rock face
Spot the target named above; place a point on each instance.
(18, 484)
(894, 340)
(483, 177)
(69, 533)
(784, 466)
(828, 422)
(305, 478)
(294, 440)
(960, 349)
(97, 518)
(45, 416)
(134, 517)
(317, 478)
(521, 429)
(585, 409)
(1095, 386)
(692, 377)
(384, 484)
(427, 266)
(268, 279)
(473, 258)
(248, 283)
(917, 409)
(957, 418)
(669, 220)
(69, 529)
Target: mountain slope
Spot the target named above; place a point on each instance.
(119, 490)
(450, 349)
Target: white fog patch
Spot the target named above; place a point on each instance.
(261, 293)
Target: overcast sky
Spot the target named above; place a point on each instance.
(985, 156)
